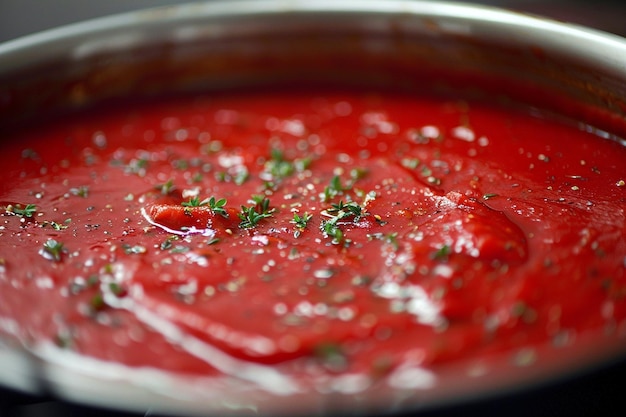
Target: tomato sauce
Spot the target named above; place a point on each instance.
(281, 236)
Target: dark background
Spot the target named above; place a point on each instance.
(596, 393)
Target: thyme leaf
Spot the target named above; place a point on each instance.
(27, 211)
(195, 202)
(218, 206)
(250, 217)
(166, 188)
(52, 250)
(442, 253)
(301, 221)
(341, 211)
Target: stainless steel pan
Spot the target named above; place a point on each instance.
(459, 49)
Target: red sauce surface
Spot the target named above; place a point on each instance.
(360, 234)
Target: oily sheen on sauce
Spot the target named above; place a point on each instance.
(282, 237)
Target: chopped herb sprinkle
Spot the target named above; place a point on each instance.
(250, 217)
(339, 212)
(301, 221)
(27, 211)
(52, 250)
(442, 253)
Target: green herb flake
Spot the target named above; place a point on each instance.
(303, 164)
(137, 166)
(52, 250)
(301, 221)
(250, 216)
(180, 249)
(442, 253)
(133, 250)
(63, 340)
(335, 184)
(333, 189)
(117, 289)
(93, 280)
(332, 355)
(277, 166)
(166, 188)
(56, 226)
(293, 254)
(166, 244)
(344, 210)
(358, 173)
(180, 164)
(96, 303)
(330, 228)
(340, 211)
(241, 176)
(82, 191)
(195, 202)
(217, 206)
(381, 365)
(392, 239)
(28, 211)
(410, 163)
(220, 176)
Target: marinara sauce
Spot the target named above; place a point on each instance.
(289, 238)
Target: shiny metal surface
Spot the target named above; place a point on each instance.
(222, 44)
(17, 19)
(470, 39)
